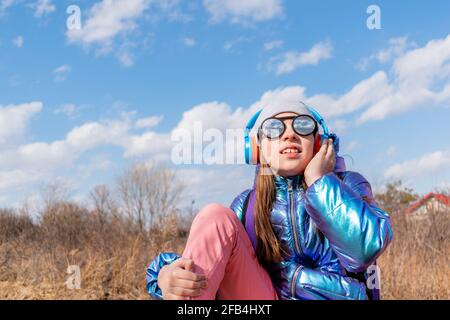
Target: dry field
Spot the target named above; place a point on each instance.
(112, 250)
(113, 255)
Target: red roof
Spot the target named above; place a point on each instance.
(439, 197)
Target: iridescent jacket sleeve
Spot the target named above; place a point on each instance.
(349, 217)
(153, 269)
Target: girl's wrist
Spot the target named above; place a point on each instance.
(310, 180)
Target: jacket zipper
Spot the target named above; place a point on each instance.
(294, 280)
(294, 230)
(291, 209)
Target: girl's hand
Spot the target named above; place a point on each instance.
(322, 163)
(178, 282)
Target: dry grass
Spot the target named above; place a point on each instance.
(113, 255)
(416, 265)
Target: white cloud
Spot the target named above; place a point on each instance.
(18, 41)
(420, 77)
(3, 200)
(279, 97)
(69, 109)
(275, 44)
(392, 150)
(217, 115)
(172, 9)
(16, 178)
(43, 7)
(364, 97)
(99, 162)
(408, 84)
(339, 126)
(396, 48)
(289, 61)
(60, 73)
(205, 187)
(189, 42)
(107, 19)
(351, 146)
(14, 119)
(359, 96)
(37, 160)
(146, 144)
(231, 45)
(442, 187)
(428, 164)
(5, 4)
(126, 58)
(148, 122)
(243, 12)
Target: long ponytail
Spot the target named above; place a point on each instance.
(268, 249)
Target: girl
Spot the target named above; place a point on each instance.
(309, 229)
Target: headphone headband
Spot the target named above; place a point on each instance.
(319, 119)
(252, 121)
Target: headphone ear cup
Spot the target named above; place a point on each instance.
(318, 143)
(254, 150)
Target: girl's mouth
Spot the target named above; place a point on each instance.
(291, 152)
(291, 149)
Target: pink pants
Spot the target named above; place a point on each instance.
(221, 249)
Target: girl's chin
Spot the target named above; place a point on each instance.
(291, 171)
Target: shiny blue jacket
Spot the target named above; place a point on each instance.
(326, 264)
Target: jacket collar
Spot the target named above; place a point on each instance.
(282, 183)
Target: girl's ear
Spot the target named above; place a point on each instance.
(255, 150)
(317, 143)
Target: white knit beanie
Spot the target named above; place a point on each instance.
(276, 108)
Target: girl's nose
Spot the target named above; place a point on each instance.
(289, 134)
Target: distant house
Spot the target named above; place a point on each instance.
(431, 201)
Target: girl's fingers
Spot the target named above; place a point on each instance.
(170, 296)
(188, 284)
(323, 148)
(185, 292)
(188, 275)
(330, 149)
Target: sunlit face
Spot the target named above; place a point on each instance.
(290, 154)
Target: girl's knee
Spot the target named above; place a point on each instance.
(215, 212)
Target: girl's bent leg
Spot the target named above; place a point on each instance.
(221, 249)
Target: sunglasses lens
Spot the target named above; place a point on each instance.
(304, 125)
(272, 128)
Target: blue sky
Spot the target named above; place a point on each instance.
(81, 105)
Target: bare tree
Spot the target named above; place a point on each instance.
(104, 206)
(166, 191)
(147, 192)
(54, 193)
(445, 190)
(396, 197)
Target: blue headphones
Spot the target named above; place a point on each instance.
(251, 148)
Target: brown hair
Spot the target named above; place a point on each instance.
(268, 249)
